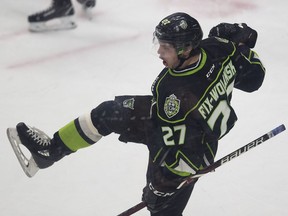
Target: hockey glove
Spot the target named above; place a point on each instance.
(237, 33)
(156, 200)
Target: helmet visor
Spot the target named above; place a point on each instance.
(165, 44)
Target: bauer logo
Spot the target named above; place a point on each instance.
(242, 150)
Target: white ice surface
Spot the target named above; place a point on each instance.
(47, 80)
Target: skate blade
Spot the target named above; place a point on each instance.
(29, 166)
(57, 24)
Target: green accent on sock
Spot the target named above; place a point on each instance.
(71, 137)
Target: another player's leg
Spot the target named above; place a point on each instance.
(87, 6)
(87, 3)
(58, 16)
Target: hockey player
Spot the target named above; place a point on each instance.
(181, 122)
(63, 11)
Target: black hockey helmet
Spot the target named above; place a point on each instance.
(179, 29)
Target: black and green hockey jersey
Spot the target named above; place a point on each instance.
(192, 106)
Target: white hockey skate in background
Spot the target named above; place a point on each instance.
(28, 165)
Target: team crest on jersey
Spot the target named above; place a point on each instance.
(171, 106)
(129, 103)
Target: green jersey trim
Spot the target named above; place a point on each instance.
(173, 167)
(194, 70)
(200, 100)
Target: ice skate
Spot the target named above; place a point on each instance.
(87, 6)
(59, 16)
(38, 144)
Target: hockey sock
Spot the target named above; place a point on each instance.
(79, 133)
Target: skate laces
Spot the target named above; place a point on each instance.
(39, 137)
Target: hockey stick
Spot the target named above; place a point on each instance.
(234, 154)
(216, 164)
(133, 209)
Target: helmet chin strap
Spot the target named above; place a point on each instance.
(181, 62)
(183, 59)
